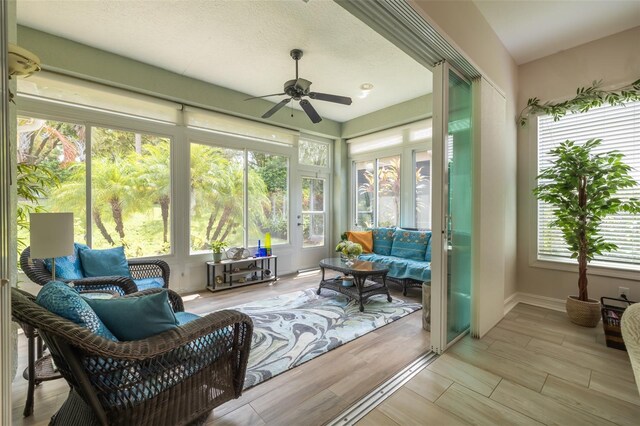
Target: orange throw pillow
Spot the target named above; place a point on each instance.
(364, 238)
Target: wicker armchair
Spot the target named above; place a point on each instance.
(37, 272)
(174, 378)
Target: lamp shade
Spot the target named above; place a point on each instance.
(51, 235)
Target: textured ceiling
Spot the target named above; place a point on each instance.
(534, 29)
(244, 45)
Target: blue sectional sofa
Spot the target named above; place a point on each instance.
(407, 253)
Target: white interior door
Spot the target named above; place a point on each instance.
(312, 220)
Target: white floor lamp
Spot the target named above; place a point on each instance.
(51, 236)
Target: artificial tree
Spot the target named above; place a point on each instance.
(582, 186)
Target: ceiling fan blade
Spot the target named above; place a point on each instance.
(276, 108)
(265, 96)
(345, 100)
(311, 111)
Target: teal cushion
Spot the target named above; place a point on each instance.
(410, 244)
(104, 263)
(145, 283)
(68, 267)
(136, 318)
(185, 317)
(382, 240)
(60, 299)
(418, 270)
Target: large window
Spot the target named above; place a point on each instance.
(51, 172)
(378, 192)
(129, 180)
(619, 128)
(268, 197)
(130, 191)
(422, 160)
(218, 210)
(217, 196)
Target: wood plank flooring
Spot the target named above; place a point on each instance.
(310, 394)
(533, 368)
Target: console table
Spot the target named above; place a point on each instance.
(232, 273)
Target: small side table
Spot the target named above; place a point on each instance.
(40, 368)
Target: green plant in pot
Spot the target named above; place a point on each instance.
(217, 247)
(582, 186)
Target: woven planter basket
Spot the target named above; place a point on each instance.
(586, 314)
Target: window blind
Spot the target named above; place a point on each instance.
(619, 129)
(418, 131)
(78, 93)
(197, 118)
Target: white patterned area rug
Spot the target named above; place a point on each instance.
(296, 327)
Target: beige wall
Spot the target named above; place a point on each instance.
(465, 27)
(615, 60)
(395, 115)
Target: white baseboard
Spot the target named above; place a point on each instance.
(535, 300)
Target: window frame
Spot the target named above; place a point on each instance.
(94, 118)
(605, 269)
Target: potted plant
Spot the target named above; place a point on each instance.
(217, 246)
(582, 186)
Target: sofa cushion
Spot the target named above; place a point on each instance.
(382, 240)
(364, 238)
(136, 318)
(427, 255)
(146, 283)
(399, 268)
(410, 244)
(104, 263)
(68, 267)
(63, 300)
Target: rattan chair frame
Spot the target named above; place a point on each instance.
(173, 378)
(37, 272)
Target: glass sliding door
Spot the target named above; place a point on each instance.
(452, 207)
(459, 205)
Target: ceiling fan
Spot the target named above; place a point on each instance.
(299, 88)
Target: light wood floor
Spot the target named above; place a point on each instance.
(534, 368)
(310, 394)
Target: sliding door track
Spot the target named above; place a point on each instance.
(374, 398)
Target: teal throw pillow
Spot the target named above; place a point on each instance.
(382, 240)
(104, 263)
(60, 299)
(410, 244)
(68, 267)
(136, 318)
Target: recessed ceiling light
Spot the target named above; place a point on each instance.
(365, 90)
